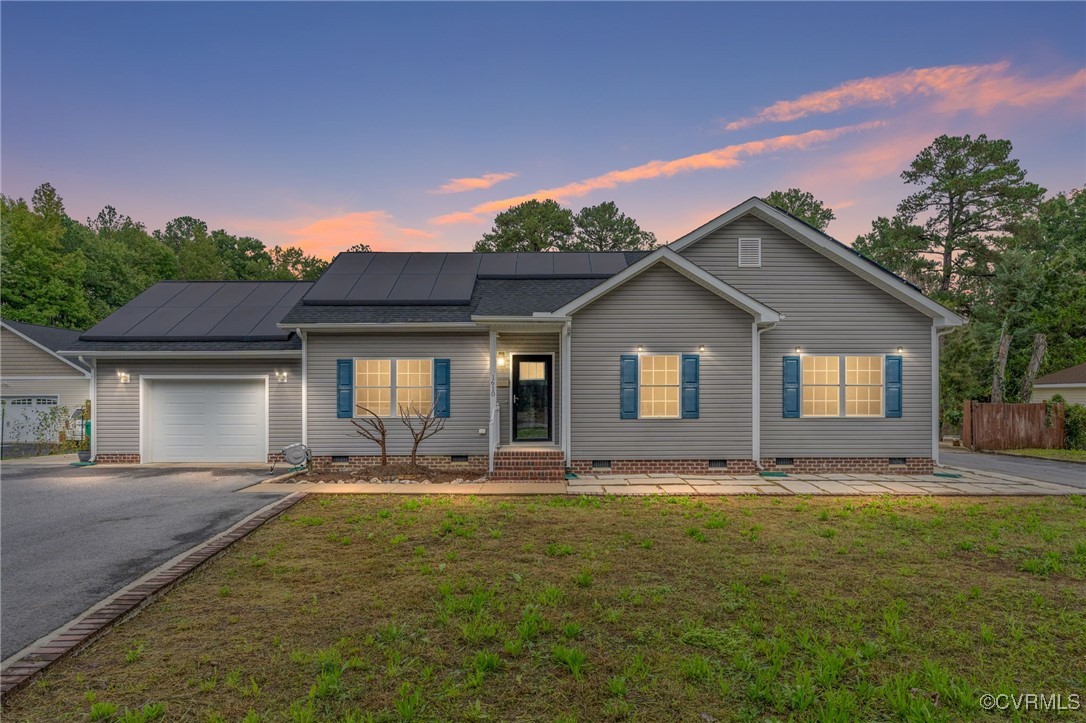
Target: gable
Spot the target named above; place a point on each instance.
(793, 278)
(20, 358)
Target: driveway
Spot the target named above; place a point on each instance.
(72, 536)
(1045, 470)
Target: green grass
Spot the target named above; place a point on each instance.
(1073, 455)
(896, 608)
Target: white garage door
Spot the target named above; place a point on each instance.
(28, 419)
(205, 420)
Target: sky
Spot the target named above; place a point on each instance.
(408, 126)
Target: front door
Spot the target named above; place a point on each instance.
(531, 398)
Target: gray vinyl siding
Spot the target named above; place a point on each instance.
(117, 416)
(469, 358)
(666, 313)
(529, 344)
(70, 393)
(828, 310)
(20, 358)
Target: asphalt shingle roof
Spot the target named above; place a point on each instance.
(1070, 375)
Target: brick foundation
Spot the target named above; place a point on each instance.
(117, 459)
(475, 466)
(802, 465)
(540, 465)
(664, 466)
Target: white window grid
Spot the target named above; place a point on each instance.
(842, 385)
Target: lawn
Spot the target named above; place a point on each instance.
(1074, 455)
(438, 608)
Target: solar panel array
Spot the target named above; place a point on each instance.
(202, 310)
(445, 278)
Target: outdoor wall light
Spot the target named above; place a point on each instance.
(797, 350)
(900, 349)
(501, 359)
(640, 348)
(123, 377)
(701, 348)
(281, 377)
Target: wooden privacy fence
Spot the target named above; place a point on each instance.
(1012, 426)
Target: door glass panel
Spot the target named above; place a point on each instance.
(531, 400)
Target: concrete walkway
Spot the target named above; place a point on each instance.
(970, 482)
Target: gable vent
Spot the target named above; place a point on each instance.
(750, 252)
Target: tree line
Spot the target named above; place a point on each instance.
(60, 272)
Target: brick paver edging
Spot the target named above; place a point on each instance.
(34, 659)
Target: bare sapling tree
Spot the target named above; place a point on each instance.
(372, 427)
(421, 426)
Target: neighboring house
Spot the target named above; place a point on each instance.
(35, 379)
(754, 341)
(1070, 383)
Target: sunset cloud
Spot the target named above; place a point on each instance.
(326, 236)
(954, 88)
(487, 180)
(726, 157)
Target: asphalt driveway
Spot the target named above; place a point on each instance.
(72, 536)
(1045, 470)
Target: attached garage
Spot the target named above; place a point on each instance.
(204, 419)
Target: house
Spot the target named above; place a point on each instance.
(35, 379)
(1069, 383)
(755, 341)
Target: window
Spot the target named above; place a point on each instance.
(821, 386)
(374, 388)
(863, 386)
(532, 371)
(414, 385)
(659, 386)
(750, 252)
(836, 386)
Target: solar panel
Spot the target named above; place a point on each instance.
(331, 288)
(353, 262)
(607, 263)
(411, 288)
(193, 295)
(424, 264)
(239, 322)
(535, 265)
(500, 265)
(572, 265)
(372, 288)
(452, 289)
(159, 294)
(268, 293)
(461, 263)
(120, 321)
(200, 321)
(159, 322)
(267, 326)
(387, 264)
(232, 294)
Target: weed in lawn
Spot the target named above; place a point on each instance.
(397, 539)
(480, 629)
(530, 625)
(571, 630)
(133, 654)
(550, 596)
(556, 549)
(224, 591)
(584, 578)
(696, 668)
(573, 659)
(695, 534)
(616, 686)
(716, 522)
(103, 711)
(308, 521)
(513, 647)
(486, 661)
(409, 704)
(646, 544)
(800, 695)
(384, 514)
(1047, 564)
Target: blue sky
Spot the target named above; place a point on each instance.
(328, 124)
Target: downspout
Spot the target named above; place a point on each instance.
(94, 405)
(567, 391)
(305, 388)
(936, 422)
(756, 331)
(492, 423)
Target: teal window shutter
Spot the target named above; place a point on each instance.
(628, 386)
(344, 392)
(893, 386)
(441, 387)
(691, 362)
(791, 387)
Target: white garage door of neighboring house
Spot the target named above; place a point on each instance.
(23, 417)
(205, 420)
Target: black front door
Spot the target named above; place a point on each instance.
(531, 398)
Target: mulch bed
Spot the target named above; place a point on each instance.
(392, 474)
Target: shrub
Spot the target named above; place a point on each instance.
(1074, 426)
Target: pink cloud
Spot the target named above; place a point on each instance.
(325, 236)
(457, 217)
(487, 180)
(727, 157)
(955, 88)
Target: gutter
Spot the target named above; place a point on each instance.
(230, 353)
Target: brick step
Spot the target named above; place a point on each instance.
(529, 464)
